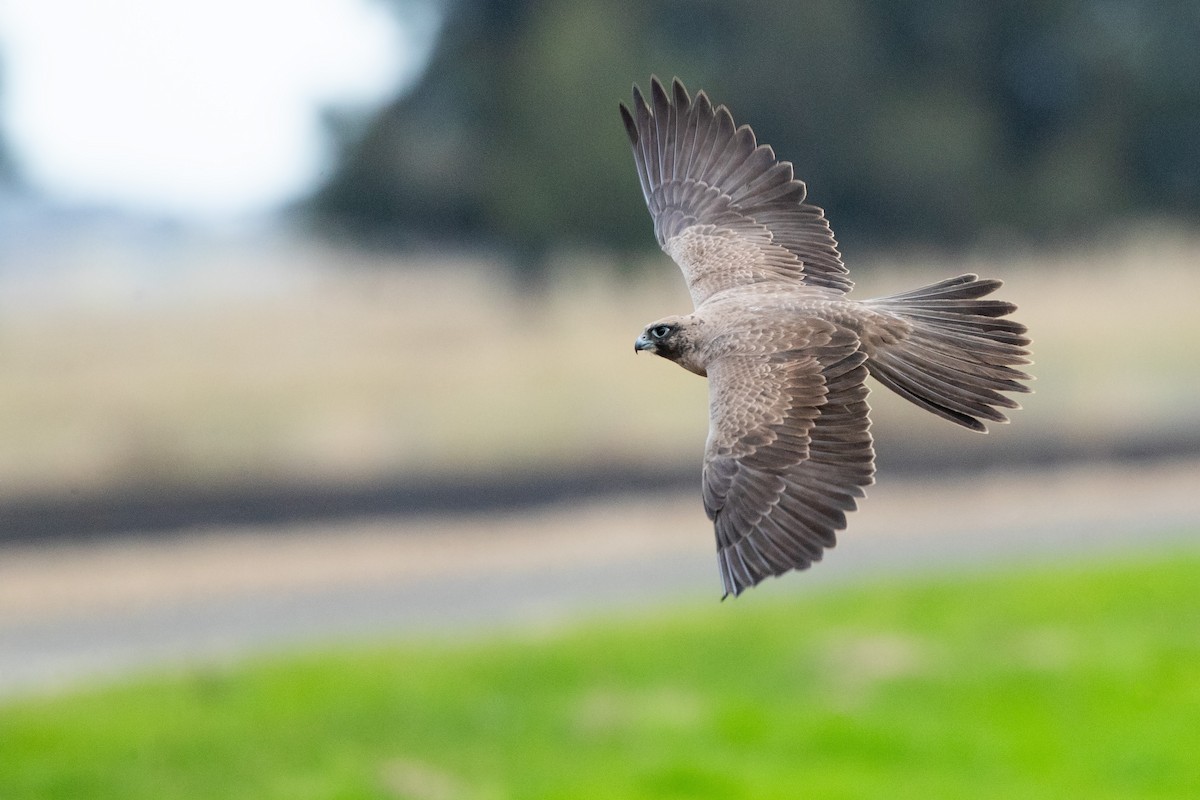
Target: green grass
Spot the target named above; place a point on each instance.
(1068, 682)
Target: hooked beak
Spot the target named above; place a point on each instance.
(643, 343)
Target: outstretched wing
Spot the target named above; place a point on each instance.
(788, 453)
(724, 208)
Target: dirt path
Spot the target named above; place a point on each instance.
(106, 608)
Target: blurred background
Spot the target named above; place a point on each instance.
(315, 317)
(380, 242)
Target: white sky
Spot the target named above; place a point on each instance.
(201, 109)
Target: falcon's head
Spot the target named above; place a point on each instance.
(673, 339)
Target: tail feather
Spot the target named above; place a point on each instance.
(958, 354)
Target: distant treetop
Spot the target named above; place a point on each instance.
(919, 122)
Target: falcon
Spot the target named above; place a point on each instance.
(785, 349)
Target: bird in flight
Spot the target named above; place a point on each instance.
(785, 350)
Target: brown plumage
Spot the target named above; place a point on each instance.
(786, 352)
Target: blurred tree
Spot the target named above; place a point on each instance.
(9, 174)
(917, 121)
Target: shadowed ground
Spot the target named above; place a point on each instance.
(104, 608)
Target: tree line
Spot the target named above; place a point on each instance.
(921, 121)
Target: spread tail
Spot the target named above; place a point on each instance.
(958, 353)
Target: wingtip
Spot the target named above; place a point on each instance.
(639, 100)
(679, 91)
(658, 92)
(725, 119)
(660, 97)
(630, 126)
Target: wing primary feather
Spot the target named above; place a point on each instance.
(734, 155)
(722, 131)
(687, 152)
(630, 127)
(756, 558)
(705, 122)
(799, 555)
(682, 101)
(679, 112)
(670, 149)
(687, 141)
(770, 550)
(738, 569)
(724, 561)
(639, 162)
(645, 124)
(807, 548)
(818, 534)
(662, 121)
(770, 186)
(757, 161)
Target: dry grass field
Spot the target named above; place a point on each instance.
(349, 367)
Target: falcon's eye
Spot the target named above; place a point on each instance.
(660, 331)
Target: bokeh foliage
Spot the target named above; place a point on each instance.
(921, 121)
